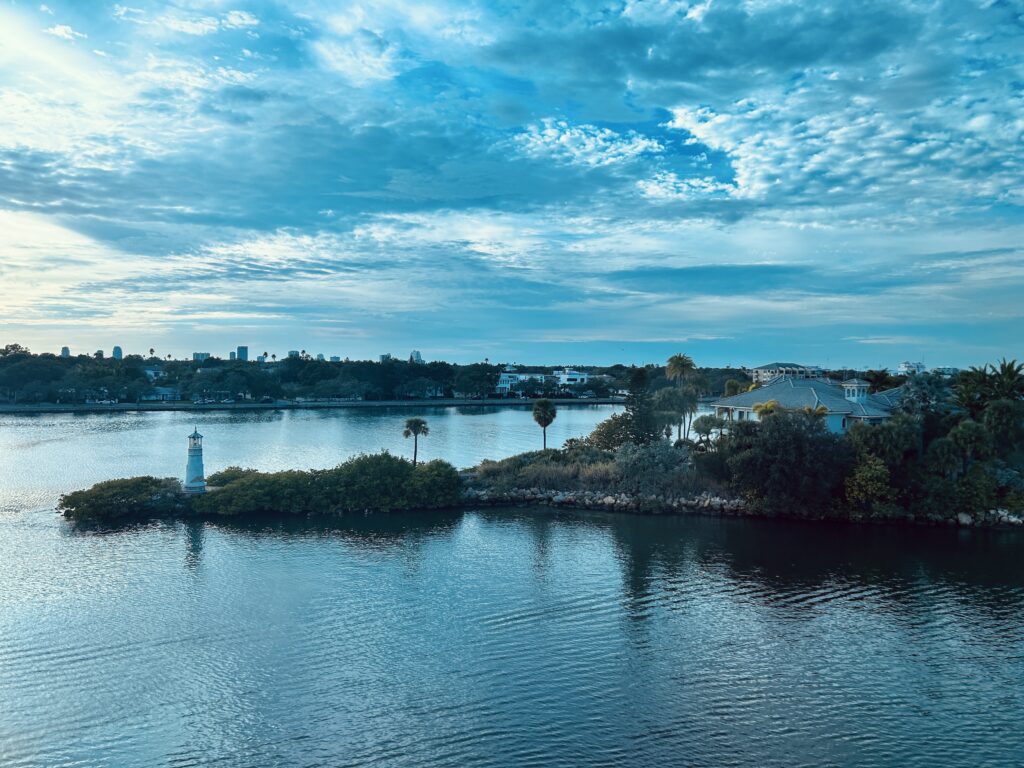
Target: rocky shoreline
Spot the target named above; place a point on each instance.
(705, 504)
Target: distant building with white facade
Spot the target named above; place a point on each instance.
(242, 354)
(843, 403)
(195, 481)
(293, 353)
(765, 373)
(199, 357)
(945, 370)
(416, 357)
(116, 353)
(65, 352)
(510, 377)
(907, 368)
(569, 378)
(320, 356)
(386, 357)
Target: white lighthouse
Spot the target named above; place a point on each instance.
(194, 480)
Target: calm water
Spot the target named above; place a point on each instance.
(44, 456)
(498, 638)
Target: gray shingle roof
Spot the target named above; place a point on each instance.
(797, 394)
(773, 366)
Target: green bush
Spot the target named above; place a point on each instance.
(136, 497)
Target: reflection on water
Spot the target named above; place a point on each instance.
(509, 638)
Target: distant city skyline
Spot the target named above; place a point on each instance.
(831, 183)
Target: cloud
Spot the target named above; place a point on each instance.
(64, 31)
(760, 181)
(585, 145)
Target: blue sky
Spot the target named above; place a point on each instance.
(831, 182)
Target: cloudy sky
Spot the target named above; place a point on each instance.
(745, 180)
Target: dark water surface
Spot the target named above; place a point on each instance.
(508, 638)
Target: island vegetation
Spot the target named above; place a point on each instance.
(953, 453)
(369, 483)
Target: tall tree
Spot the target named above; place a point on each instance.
(544, 413)
(680, 367)
(415, 427)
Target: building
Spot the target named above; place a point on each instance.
(199, 357)
(415, 357)
(907, 368)
(510, 377)
(293, 353)
(385, 358)
(242, 354)
(320, 356)
(765, 373)
(335, 359)
(231, 356)
(844, 403)
(116, 353)
(65, 352)
(945, 370)
(162, 395)
(570, 378)
(195, 481)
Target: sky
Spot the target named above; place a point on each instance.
(830, 183)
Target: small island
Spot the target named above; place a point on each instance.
(947, 453)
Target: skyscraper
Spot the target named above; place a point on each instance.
(65, 352)
(242, 354)
(116, 353)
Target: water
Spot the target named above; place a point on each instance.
(44, 456)
(499, 638)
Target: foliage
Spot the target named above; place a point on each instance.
(868, 484)
(112, 500)
(544, 414)
(925, 393)
(793, 466)
(414, 427)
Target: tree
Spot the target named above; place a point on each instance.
(544, 413)
(1004, 421)
(793, 465)
(925, 393)
(704, 427)
(679, 368)
(643, 424)
(733, 387)
(678, 405)
(972, 440)
(152, 352)
(414, 427)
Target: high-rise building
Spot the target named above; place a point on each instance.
(416, 357)
(320, 356)
(231, 355)
(385, 358)
(293, 353)
(242, 354)
(65, 352)
(335, 359)
(198, 357)
(116, 353)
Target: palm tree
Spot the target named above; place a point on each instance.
(152, 352)
(544, 413)
(818, 412)
(679, 367)
(415, 427)
(274, 357)
(1007, 381)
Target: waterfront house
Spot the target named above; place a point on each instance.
(765, 373)
(843, 403)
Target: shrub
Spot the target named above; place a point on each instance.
(136, 497)
(228, 475)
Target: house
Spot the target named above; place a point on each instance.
(907, 368)
(508, 379)
(765, 373)
(844, 403)
(162, 394)
(569, 378)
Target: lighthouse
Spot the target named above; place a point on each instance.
(194, 480)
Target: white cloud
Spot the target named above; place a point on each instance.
(362, 59)
(202, 26)
(667, 186)
(239, 20)
(585, 145)
(64, 31)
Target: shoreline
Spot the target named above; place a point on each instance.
(707, 505)
(285, 405)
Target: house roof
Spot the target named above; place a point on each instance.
(856, 383)
(772, 366)
(796, 394)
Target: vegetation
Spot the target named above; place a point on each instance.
(952, 451)
(544, 414)
(375, 482)
(415, 427)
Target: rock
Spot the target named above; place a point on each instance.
(964, 519)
